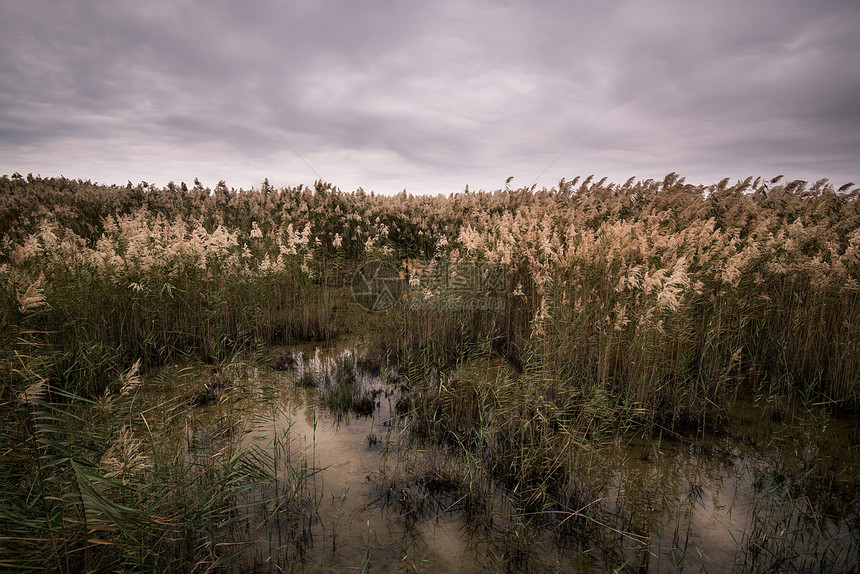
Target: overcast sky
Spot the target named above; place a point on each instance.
(430, 96)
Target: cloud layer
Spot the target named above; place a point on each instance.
(430, 96)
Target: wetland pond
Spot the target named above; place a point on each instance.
(356, 489)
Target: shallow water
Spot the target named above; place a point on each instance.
(734, 502)
(761, 495)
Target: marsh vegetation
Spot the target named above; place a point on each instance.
(648, 376)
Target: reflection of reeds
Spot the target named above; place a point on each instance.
(344, 393)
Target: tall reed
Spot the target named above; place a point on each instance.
(671, 297)
(108, 483)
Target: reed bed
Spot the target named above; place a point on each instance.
(669, 296)
(649, 302)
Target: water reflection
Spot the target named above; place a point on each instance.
(761, 495)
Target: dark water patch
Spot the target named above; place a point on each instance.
(284, 361)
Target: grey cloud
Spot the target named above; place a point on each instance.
(448, 93)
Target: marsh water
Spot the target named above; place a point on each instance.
(775, 488)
